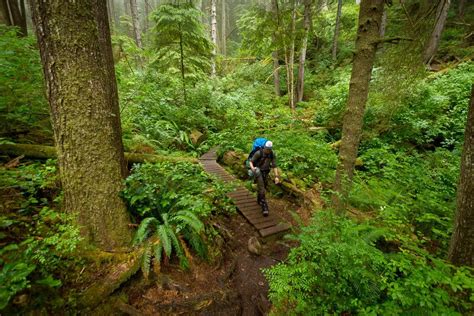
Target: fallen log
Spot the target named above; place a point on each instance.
(46, 152)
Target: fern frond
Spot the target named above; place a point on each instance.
(146, 260)
(190, 219)
(144, 230)
(165, 240)
(158, 251)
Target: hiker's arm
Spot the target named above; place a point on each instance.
(251, 166)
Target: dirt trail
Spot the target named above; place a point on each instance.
(235, 286)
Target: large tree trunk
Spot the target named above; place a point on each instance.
(213, 36)
(76, 53)
(304, 44)
(135, 23)
(336, 30)
(370, 18)
(433, 42)
(14, 14)
(461, 250)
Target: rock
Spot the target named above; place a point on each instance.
(254, 246)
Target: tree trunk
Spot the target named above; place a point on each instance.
(147, 13)
(461, 8)
(290, 59)
(370, 18)
(433, 42)
(223, 30)
(14, 14)
(383, 26)
(336, 30)
(135, 23)
(115, 16)
(304, 44)
(110, 15)
(461, 250)
(275, 55)
(213, 36)
(76, 53)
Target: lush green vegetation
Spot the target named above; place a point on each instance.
(388, 256)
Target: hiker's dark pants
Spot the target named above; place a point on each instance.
(262, 182)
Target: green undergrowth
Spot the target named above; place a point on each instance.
(174, 204)
(37, 241)
(344, 267)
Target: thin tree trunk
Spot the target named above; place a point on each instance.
(461, 8)
(383, 26)
(135, 23)
(213, 36)
(370, 19)
(181, 54)
(76, 54)
(275, 55)
(304, 44)
(461, 250)
(147, 13)
(223, 29)
(336, 30)
(14, 14)
(110, 15)
(291, 58)
(433, 42)
(114, 15)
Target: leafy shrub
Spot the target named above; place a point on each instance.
(169, 199)
(23, 108)
(337, 268)
(37, 240)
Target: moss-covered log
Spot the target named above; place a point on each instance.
(46, 152)
(119, 274)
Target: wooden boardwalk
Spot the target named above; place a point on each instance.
(245, 201)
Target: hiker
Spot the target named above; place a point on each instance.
(262, 160)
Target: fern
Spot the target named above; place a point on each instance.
(146, 260)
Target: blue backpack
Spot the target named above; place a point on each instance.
(258, 144)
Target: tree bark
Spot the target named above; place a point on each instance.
(461, 8)
(461, 250)
(433, 42)
(135, 23)
(290, 59)
(76, 54)
(14, 14)
(213, 36)
(147, 13)
(223, 29)
(336, 30)
(304, 44)
(370, 18)
(275, 55)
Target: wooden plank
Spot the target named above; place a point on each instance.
(247, 202)
(263, 225)
(262, 219)
(281, 227)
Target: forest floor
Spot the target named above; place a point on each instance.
(234, 285)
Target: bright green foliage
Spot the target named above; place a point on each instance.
(170, 199)
(23, 108)
(180, 37)
(341, 267)
(38, 241)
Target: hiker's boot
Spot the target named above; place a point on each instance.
(264, 208)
